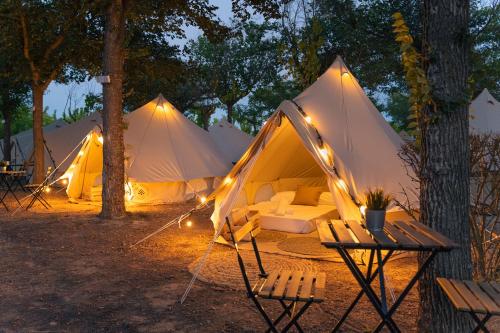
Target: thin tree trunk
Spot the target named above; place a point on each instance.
(206, 119)
(230, 113)
(444, 196)
(113, 191)
(38, 144)
(7, 133)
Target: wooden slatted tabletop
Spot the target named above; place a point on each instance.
(397, 235)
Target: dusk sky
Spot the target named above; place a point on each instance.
(58, 96)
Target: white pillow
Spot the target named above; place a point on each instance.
(281, 209)
(326, 198)
(287, 196)
(264, 193)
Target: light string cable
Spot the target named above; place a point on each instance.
(201, 263)
(176, 220)
(42, 185)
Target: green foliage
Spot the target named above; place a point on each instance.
(93, 103)
(262, 103)
(420, 90)
(377, 199)
(485, 51)
(22, 119)
(235, 67)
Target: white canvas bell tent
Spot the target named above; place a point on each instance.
(330, 135)
(22, 144)
(231, 141)
(168, 158)
(484, 114)
(62, 142)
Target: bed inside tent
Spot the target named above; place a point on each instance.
(281, 168)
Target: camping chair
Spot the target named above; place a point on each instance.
(280, 285)
(37, 191)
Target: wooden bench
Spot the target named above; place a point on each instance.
(474, 298)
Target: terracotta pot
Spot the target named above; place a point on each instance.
(375, 219)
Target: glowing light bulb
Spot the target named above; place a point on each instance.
(308, 119)
(228, 180)
(100, 139)
(342, 184)
(64, 181)
(47, 189)
(203, 199)
(345, 73)
(362, 209)
(324, 153)
(80, 153)
(189, 223)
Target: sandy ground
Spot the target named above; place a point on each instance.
(66, 270)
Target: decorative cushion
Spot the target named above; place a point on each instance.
(286, 195)
(307, 196)
(326, 198)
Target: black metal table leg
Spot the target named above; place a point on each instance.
(408, 287)
(4, 195)
(481, 324)
(370, 293)
(369, 277)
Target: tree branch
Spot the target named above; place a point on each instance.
(26, 47)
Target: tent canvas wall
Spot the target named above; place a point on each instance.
(351, 147)
(168, 158)
(22, 144)
(485, 114)
(232, 142)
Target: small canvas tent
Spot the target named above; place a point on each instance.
(168, 158)
(484, 114)
(22, 144)
(231, 141)
(331, 135)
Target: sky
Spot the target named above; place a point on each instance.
(60, 96)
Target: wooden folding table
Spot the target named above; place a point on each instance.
(396, 236)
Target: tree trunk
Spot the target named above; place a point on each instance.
(230, 113)
(444, 194)
(113, 188)
(38, 142)
(7, 133)
(206, 119)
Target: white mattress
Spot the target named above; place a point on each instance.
(298, 219)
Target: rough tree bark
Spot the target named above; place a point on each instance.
(113, 191)
(38, 140)
(444, 196)
(230, 113)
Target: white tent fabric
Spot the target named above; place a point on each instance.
(484, 114)
(62, 141)
(354, 148)
(168, 158)
(231, 141)
(22, 143)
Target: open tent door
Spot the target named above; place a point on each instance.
(341, 130)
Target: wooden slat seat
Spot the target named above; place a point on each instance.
(292, 286)
(474, 298)
(470, 296)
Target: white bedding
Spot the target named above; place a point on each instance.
(297, 218)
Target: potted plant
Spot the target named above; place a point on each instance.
(376, 204)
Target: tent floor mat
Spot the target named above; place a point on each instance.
(306, 246)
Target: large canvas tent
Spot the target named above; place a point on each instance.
(331, 135)
(168, 158)
(22, 144)
(484, 114)
(231, 141)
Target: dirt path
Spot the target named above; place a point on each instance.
(66, 270)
